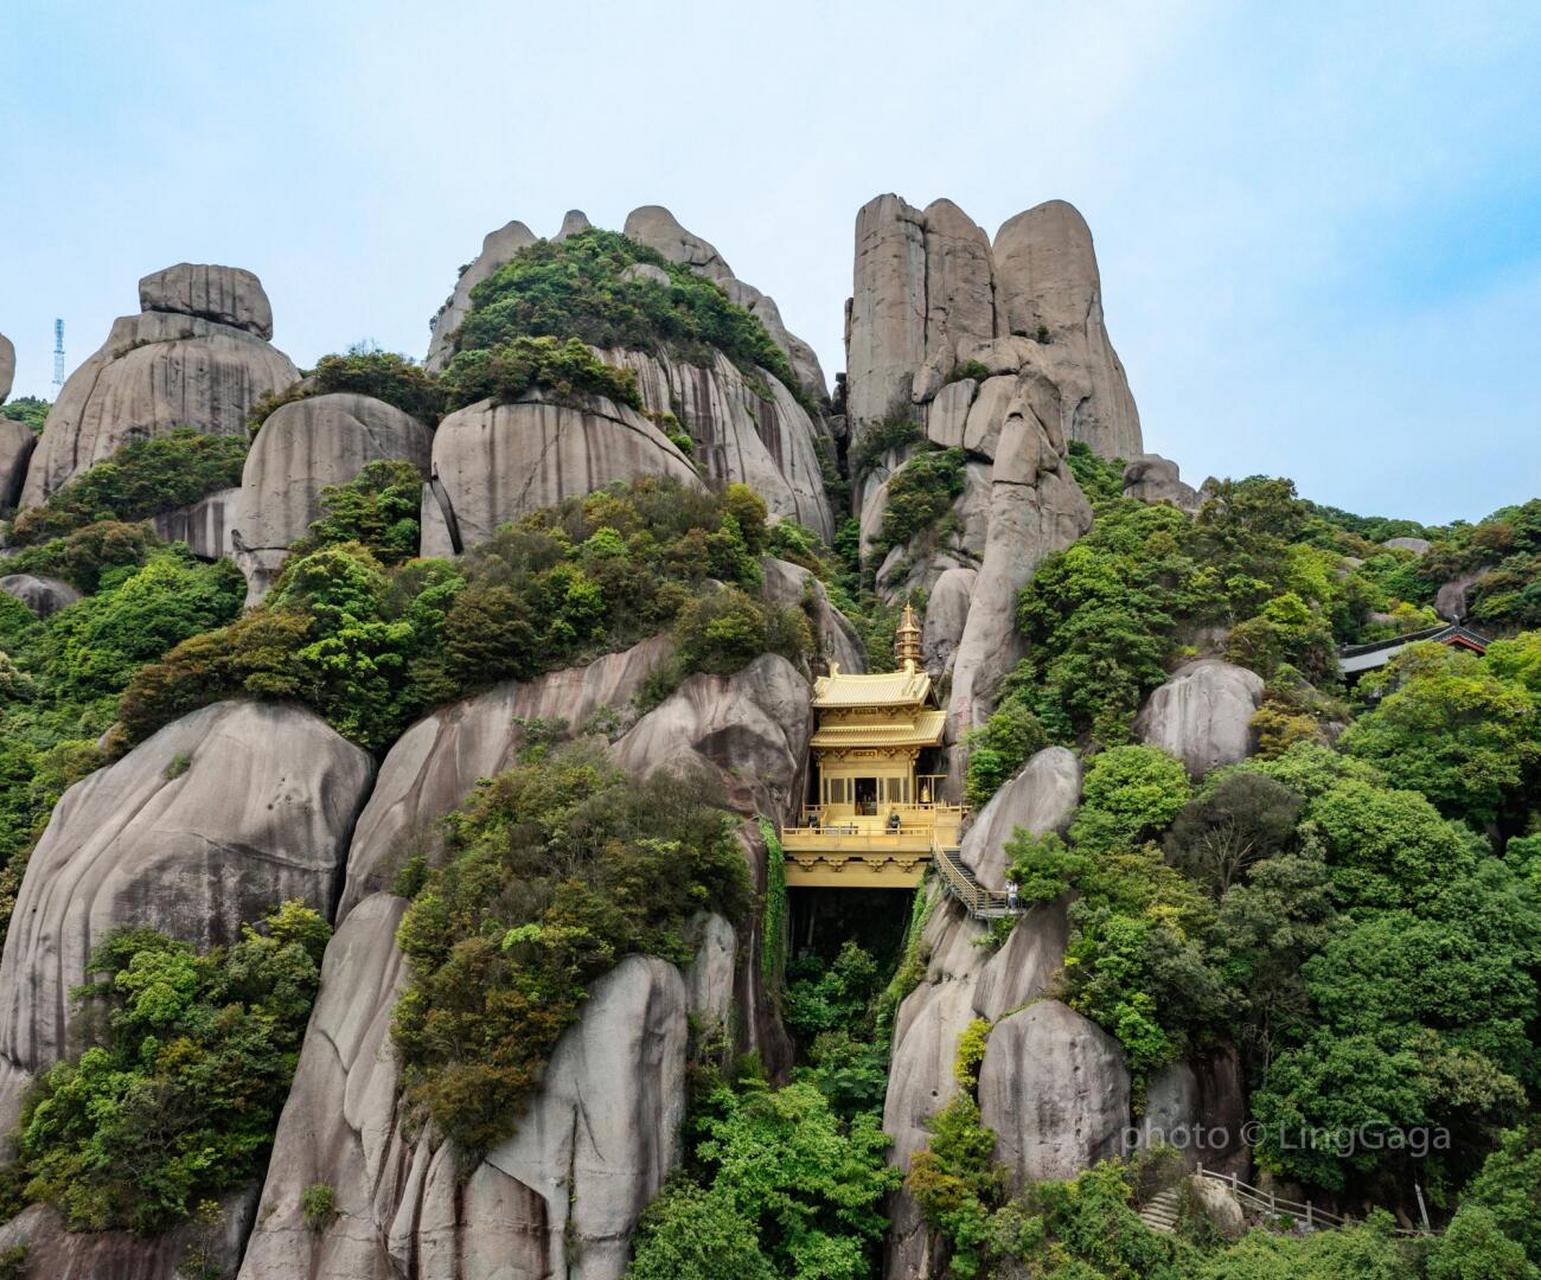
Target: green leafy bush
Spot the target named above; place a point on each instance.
(141, 480)
(318, 1206)
(28, 410)
(555, 871)
(378, 509)
(811, 1184)
(920, 493)
(385, 375)
(580, 288)
(510, 369)
(181, 1099)
(370, 646)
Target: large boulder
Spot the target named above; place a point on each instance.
(1048, 289)
(1041, 797)
(497, 248)
(946, 614)
(44, 596)
(158, 371)
(7, 367)
(212, 821)
(750, 730)
(1418, 546)
(17, 441)
(1054, 1087)
(740, 434)
(1199, 1108)
(493, 463)
(303, 447)
(226, 295)
(561, 1197)
(794, 587)
(1152, 478)
(965, 980)
(1203, 714)
(435, 764)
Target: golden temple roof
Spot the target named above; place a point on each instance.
(924, 731)
(907, 687)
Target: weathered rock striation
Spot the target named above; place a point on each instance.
(171, 366)
(493, 463)
(303, 447)
(435, 764)
(561, 1197)
(212, 821)
(742, 434)
(931, 293)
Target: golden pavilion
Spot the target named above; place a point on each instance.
(877, 815)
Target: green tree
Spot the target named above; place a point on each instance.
(812, 1186)
(691, 1234)
(1453, 729)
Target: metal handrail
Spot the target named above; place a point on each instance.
(1269, 1202)
(975, 898)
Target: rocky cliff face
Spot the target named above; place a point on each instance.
(197, 356)
(210, 822)
(931, 294)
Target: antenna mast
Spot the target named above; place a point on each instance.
(58, 353)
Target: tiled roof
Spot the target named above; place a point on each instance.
(925, 732)
(1362, 657)
(890, 689)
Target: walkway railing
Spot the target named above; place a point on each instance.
(1250, 1197)
(960, 882)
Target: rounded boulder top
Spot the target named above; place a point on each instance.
(7, 366)
(226, 295)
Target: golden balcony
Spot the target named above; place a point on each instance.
(838, 847)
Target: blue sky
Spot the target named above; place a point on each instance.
(1319, 225)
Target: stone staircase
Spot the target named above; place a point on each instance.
(1160, 1212)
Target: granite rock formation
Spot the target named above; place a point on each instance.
(303, 447)
(7, 366)
(44, 596)
(435, 764)
(212, 821)
(493, 463)
(171, 366)
(1203, 714)
(931, 293)
(16, 445)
